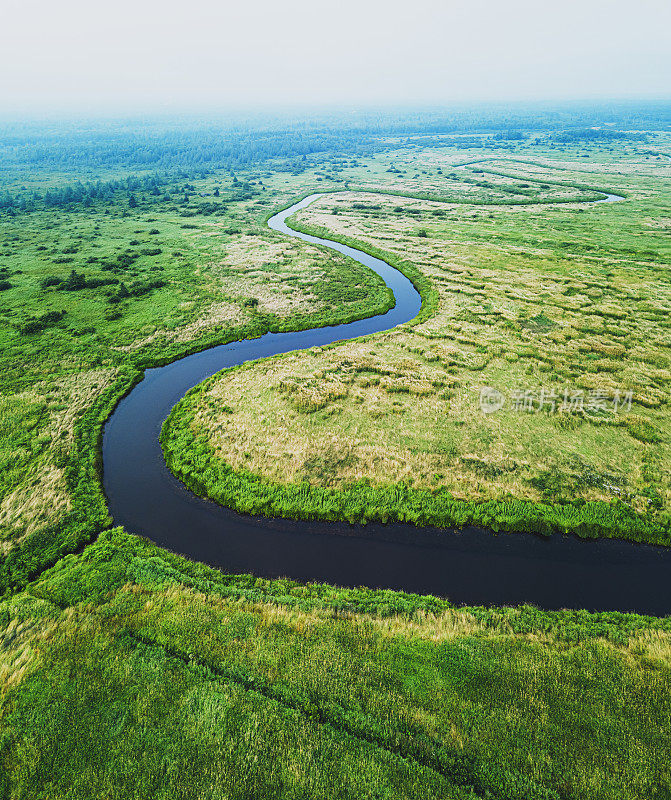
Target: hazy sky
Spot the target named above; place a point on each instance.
(84, 55)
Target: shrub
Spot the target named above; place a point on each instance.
(74, 281)
(38, 324)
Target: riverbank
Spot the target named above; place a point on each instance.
(193, 678)
(251, 493)
(146, 502)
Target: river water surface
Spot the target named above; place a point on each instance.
(471, 566)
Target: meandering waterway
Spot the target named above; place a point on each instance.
(471, 566)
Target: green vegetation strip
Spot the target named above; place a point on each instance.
(130, 670)
(191, 458)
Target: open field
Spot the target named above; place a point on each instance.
(95, 291)
(129, 671)
(563, 308)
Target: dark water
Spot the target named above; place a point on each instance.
(472, 566)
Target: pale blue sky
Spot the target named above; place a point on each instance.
(83, 55)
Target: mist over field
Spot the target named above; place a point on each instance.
(86, 57)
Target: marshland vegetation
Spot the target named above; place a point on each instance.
(563, 308)
(126, 670)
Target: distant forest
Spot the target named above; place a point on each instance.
(226, 142)
(188, 147)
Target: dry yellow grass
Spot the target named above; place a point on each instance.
(22, 633)
(510, 316)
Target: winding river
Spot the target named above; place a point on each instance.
(470, 566)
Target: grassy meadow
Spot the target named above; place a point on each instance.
(563, 308)
(129, 671)
(93, 294)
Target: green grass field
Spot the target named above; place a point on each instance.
(562, 308)
(96, 294)
(128, 671)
